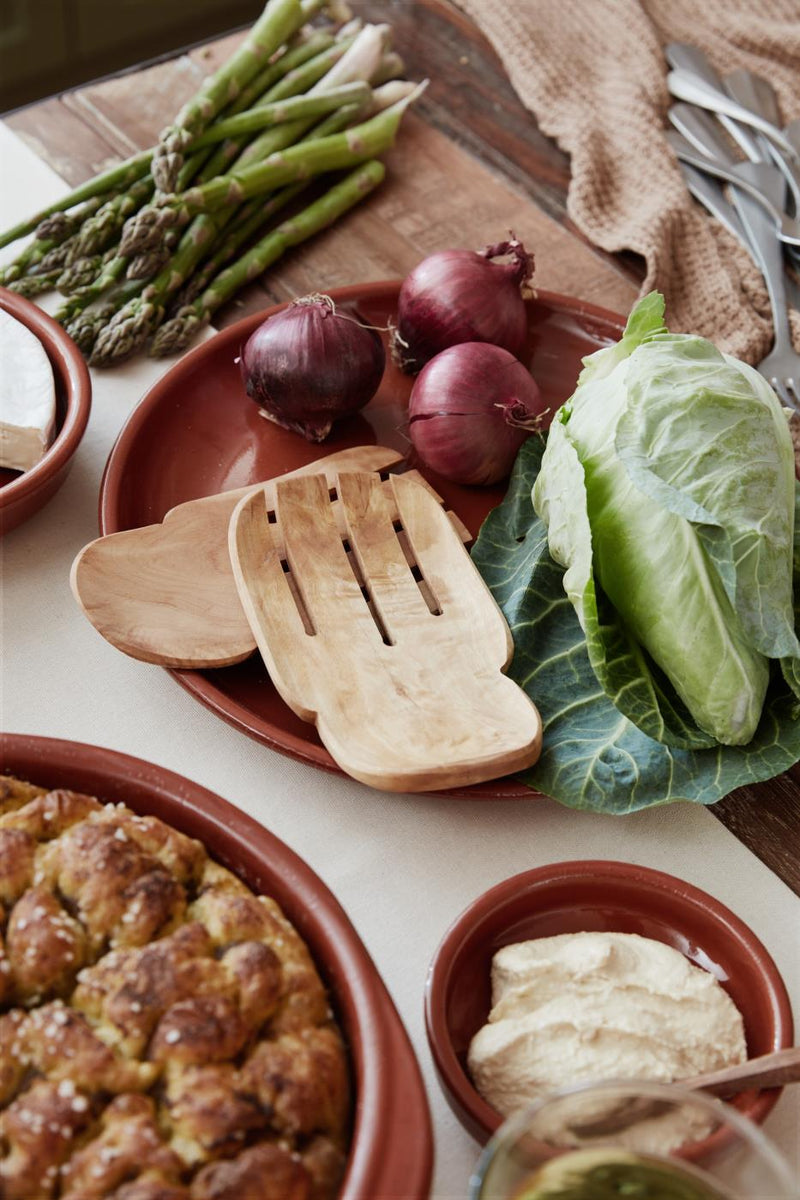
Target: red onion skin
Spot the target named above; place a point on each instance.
(465, 409)
(309, 365)
(458, 296)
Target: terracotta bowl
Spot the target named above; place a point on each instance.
(595, 895)
(24, 493)
(391, 1152)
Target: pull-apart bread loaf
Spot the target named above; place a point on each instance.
(164, 1034)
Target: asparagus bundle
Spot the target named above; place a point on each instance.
(293, 103)
(301, 161)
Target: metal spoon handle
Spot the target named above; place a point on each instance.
(744, 87)
(699, 127)
(711, 196)
(766, 248)
(686, 86)
(691, 59)
(684, 57)
(787, 229)
(757, 95)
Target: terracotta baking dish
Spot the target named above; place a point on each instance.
(568, 897)
(392, 1147)
(23, 494)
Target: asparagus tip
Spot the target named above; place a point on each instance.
(176, 334)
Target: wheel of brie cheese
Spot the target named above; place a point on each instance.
(27, 396)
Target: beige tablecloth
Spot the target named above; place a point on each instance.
(402, 866)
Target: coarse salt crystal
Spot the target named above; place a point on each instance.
(172, 1036)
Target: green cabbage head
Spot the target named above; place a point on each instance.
(667, 488)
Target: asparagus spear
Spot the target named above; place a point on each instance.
(35, 285)
(301, 161)
(26, 261)
(101, 230)
(133, 323)
(176, 334)
(279, 20)
(293, 109)
(391, 67)
(116, 178)
(257, 213)
(358, 62)
(350, 59)
(85, 325)
(75, 303)
(295, 82)
(297, 54)
(61, 225)
(80, 274)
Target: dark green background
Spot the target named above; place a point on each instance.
(49, 45)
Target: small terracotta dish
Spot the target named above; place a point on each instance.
(391, 1152)
(24, 493)
(569, 897)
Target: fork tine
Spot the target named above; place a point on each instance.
(786, 396)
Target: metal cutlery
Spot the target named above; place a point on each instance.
(759, 97)
(700, 128)
(786, 228)
(685, 85)
(692, 59)
(781, 367)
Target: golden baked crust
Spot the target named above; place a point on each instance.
(164, 1034)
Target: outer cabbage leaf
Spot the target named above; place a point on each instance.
(791, 666)
(592, 756)
(618, 661)
(654, 570)
(705, 437)
(645, 321)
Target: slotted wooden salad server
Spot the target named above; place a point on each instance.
(381, 632)
(165, 593)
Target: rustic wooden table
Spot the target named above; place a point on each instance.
(469, 165)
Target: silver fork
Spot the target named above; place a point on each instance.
(781, 367)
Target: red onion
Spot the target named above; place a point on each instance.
(470, 410)
(308, 365)
(462, 296)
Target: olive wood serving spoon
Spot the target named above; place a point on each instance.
(767, 1071)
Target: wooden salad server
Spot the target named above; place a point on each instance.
(382, 632)
(775, 1069)
(165, 593)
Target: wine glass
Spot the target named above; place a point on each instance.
(658, 1141)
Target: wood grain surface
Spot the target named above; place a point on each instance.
(470, 163)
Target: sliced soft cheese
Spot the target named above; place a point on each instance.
(27, 396)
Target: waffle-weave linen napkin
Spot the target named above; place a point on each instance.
(593, 73)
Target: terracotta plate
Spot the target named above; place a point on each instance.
(391, 1152)
(196, 432)
(22, 493)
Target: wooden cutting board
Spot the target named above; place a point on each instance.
(166, 594)
(375, 625)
